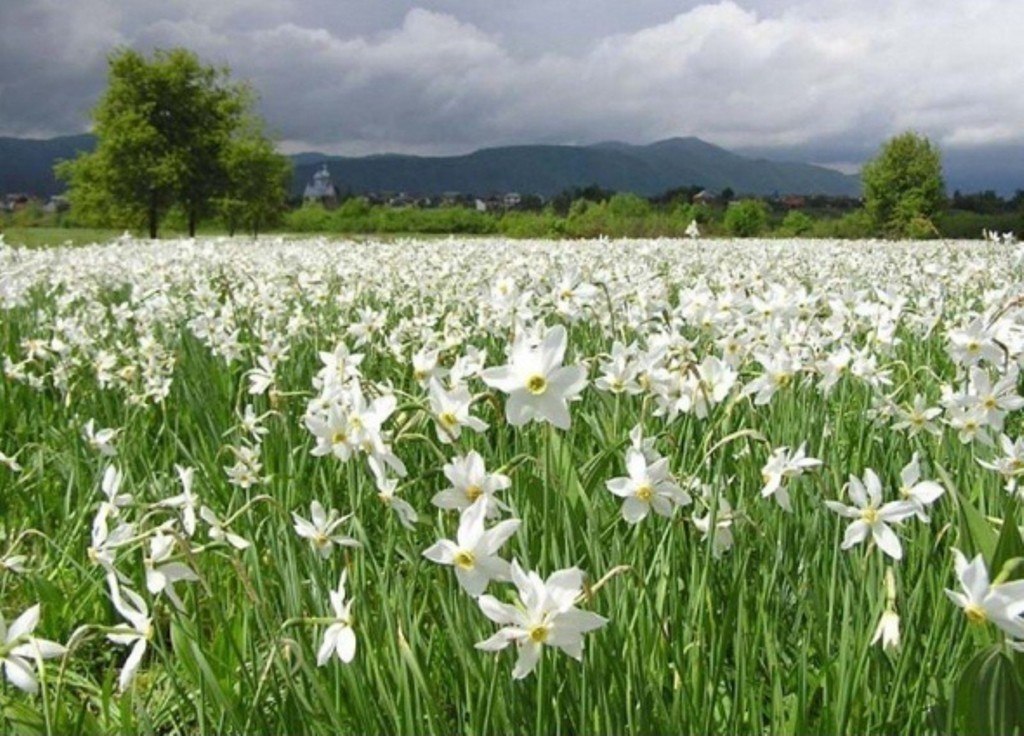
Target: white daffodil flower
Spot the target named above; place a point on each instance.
(137, 633)
(981, 602)
(470, 480)
(339, 638)
(321, 528)
(546, 615)
(648, 486)
(782, 466)
(19, 650)
(871, 516)
(920, 493)
(473, 554)
(539, 387)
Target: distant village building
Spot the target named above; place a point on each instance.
(15, 202)
(704, 197)
(58, 203)
(321, 189)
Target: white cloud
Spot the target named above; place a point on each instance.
(433, 82)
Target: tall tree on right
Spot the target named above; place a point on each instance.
(903, 187)
(258, 179)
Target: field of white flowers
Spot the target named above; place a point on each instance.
(506, 487)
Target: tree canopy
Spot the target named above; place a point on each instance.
(903, 187)
(173, 131)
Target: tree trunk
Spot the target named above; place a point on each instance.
(152, 216)
(192, 222)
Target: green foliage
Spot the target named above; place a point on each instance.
(903, 186)
(796, 223)
(628, 205)
(171, 130)
(746, 218)
(257, 181)
(964, 224)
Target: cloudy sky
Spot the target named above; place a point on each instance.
(821, 80)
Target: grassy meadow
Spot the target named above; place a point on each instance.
(228, 471)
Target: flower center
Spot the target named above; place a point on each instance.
(975, 613)
(339, 438)
(447, 419)
(536, 384)
(644, 492)
(464, 559)
(870, 515)
(474, 492)
(539, 634)
(320, 540)
(781, 379)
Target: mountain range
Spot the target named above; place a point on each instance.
(26, 165)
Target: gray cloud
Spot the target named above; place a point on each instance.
(829, 77)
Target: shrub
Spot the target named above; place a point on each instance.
(746, 218)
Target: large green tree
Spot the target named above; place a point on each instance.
(903, 186)
(165, 129)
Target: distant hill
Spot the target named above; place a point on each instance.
(27, 166)
(547, 170)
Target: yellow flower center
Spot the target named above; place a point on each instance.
(990, 403)
(975, 613)
(539, 633)
(464, 559)
(420, 375)
(339, 438)
(320, 540)
(870, 515)
(474, 492)
(536, 384)
(447, 419)
(644, 492)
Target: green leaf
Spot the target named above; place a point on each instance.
(1010, 544)
(974, 526)
(560, 471)
(988, 698)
